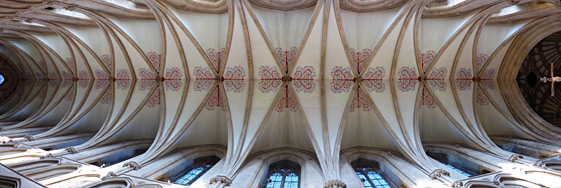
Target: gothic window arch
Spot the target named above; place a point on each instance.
(118, 157)
(370, 175)
(282, 174)
(199, 167)
(456, 163)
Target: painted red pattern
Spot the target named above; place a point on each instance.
(234, 73)
(40, 76)
(216, 57)
(83, 75)
(66, 75)
(373, 79)
(42, 93)
(481, 98)
(426, 59)
(146, 84)
(438, 85)
(70, 62)
(66, 83)
(203, 73)
(436, 79)
(42, 64)
(83, 83)
(488, 84)
(106, 60)
(486, 79)
(122, 74)
(53, 75)
(427, 99)
(359, 101)
(377, 73)
(266, 86)
(172, 85)
(122, 79)
(438, 74)
(360, 58)
(203, 85)
(270, 79)
(304, 73)
(70, 95)
(215, 101)
(286, 101)
(340, 73)
(481, 60)
(204, 78)
(122, 84)
(464, 78)
(101, 75)
(269, 73)
(343, 79)
(154, 99)
(106, 99)
(173, 73)
(52, 83)
(488, 74)
(155, 59)
(147, 74)
(407, 79)
(234, 79)
(286, 57)
(101, 84)
(303, 79)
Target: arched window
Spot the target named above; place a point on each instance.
(454, 164)
(118, 157)
(370, 174)
(195, 171)
(282, 174)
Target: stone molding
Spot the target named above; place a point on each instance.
(133, 165)
(439, 173)
(71, 150)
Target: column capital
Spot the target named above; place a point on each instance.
(221, 180)
(334, 184)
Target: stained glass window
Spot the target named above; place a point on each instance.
(371, 178)
(195, 171)
(443, 158)
(188, 178)
(282, 174)
(369, 173)
(1, 79)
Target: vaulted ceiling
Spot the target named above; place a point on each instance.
(317, 75)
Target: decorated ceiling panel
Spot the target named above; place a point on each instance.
(323, 78)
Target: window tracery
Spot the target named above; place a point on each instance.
(199, 167)
(370, 174)
(444, 159)
(282, 174)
